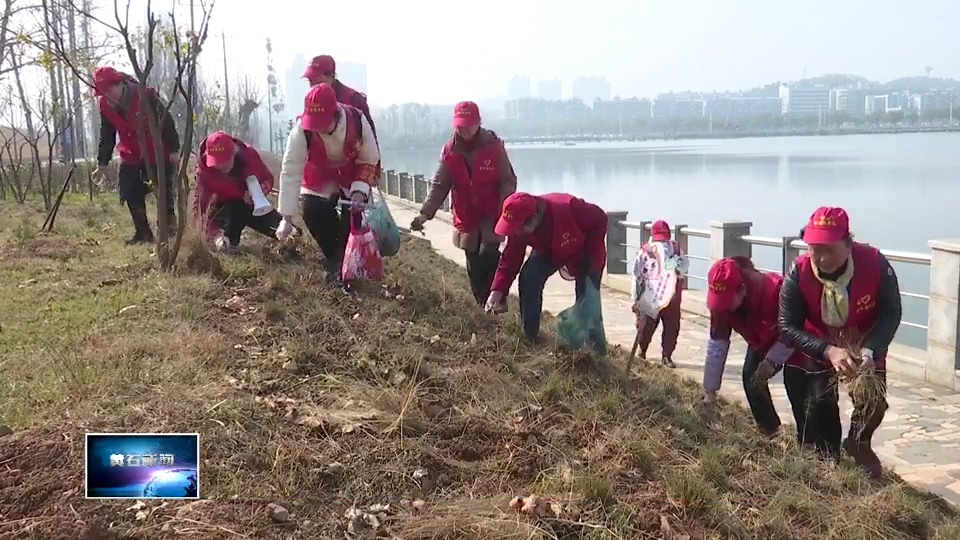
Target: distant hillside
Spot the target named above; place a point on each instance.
(836, 80)
(923, 83)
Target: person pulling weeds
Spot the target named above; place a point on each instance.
(745, 300)
(330, 153)
(475, 171)
(566, 234)
(223, 202)
(840, 306)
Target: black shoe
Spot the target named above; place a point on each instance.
(347, 288)
(331, 272)
(668, 362)
(141, 237)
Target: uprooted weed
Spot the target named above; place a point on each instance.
(403, 412)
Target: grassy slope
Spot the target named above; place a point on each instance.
(284, 379)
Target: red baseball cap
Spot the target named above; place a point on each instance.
(318, 66)
(105, 77)
(828, 225)
(723, 282)
(466, 114)
(319, 108)
(660, 231)
(219, 149)
(517, 209)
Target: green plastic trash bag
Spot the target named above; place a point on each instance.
(381, 222)
(581, 325)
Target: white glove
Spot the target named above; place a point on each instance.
(284, 230)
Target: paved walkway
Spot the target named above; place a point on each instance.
(920, 436)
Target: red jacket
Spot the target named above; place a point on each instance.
(572, 231)
(215, 187)
(318, 174)
(128, 126)
(863, 291)
(474, 194)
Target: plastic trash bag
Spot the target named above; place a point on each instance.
(581, 325)
(381, 222)
(362, 259)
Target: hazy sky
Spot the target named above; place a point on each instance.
(441, 52)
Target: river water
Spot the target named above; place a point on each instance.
(900, 190)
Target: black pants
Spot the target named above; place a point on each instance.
(329, 225)
(481, 268)
(134, 183)
(234, 216)
(758, 395)
(534, 273)
(815, 400)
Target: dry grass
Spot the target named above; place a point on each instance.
(327, 404)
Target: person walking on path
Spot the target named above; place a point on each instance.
(330, 154)
(223, 201)
(565, 234)
(661, 255)
(745, 300)
(476, 172)
(121, 117)
(840, 306)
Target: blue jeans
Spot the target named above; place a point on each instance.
(534, 273)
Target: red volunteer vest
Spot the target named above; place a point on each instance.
(346, 96)
(319, 173)
(567, 242)
(475, 192)
(128, 140)
(758, 323)
(863, 291)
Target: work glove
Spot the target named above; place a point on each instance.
(284, 230)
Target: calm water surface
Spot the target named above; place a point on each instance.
(900, 190)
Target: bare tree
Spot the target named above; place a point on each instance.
(249, 95)
(159, 43)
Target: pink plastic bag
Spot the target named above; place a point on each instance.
(362, 258)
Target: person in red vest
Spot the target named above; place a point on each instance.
(120, 118)
(330, 154)
(671, 314)
(841, 293)
(323, 69)
(565, 233)
(477, 174)
(745, 300)
(223, 199)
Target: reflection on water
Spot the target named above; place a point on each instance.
(899, 189)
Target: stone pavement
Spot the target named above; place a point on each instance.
(919, 438)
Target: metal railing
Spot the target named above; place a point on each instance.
(939, 361)
(790, 248)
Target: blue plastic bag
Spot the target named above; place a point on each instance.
(381, 222)
(581, 325)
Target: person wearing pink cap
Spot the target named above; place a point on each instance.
(330, 154)
(745, 300)
(565, 234)
(841, 294)
(476, 172)
(673, 256)
(323, 69)
(223, 201)
(118, 96)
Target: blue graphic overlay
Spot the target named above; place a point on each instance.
(142, 465)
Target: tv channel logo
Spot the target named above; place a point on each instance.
(142, 465)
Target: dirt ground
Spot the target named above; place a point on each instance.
(402, 413)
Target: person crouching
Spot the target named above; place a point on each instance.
(330, 153)
(223, 198)
(745, 300)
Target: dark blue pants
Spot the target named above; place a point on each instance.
(534, 273)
